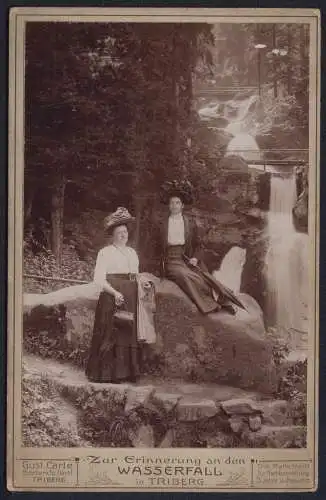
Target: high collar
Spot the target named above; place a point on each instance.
(120, 247)
(176, 216)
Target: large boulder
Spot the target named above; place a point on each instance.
(300, 212)
(217, 347)
(59, 324)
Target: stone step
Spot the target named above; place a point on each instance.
(150, 410)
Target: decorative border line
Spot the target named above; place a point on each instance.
(14, 153)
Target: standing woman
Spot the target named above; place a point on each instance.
(113, 352)
(180, 253)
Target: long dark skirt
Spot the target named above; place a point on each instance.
(113, 353)
(191, 282)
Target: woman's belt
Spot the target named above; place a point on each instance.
(175, 250)
(171, 248)
(123, 276)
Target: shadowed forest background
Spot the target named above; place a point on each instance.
(113, 110)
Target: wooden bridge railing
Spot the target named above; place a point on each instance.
(270, 157)
(198, 92)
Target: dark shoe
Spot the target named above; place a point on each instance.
(230, 309)
(116, 381)
(126, 380)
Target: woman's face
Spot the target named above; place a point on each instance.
(175, 205)
(120, 235)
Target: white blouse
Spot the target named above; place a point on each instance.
(115, 260)
(176, 230)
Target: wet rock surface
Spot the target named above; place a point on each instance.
(301, 212)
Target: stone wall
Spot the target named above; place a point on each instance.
(153, 414)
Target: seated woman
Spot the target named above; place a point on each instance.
(113, 352)
(179, 248)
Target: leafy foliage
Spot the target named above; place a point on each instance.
(292, 385)
(41, 422)
(280, 345)
(44, 264)
(280, 67)
(106, 108)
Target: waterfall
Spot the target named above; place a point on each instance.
(242, 108)
(245, 146)
(286, 259)
(235, 112)
(231, 268)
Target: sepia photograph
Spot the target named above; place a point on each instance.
(168, 233)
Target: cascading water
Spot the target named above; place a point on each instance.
(237, 114)
(286, 264)
(237, 120)
(286, 259)
(245, 146)
(234, 111)
(231, 268)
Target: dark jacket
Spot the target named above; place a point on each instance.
(192, 241)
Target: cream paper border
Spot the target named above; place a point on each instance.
(15, 452)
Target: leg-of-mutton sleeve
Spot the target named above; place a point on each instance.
(110, 260)
(135, 263)
(100, 269)
(195, 241)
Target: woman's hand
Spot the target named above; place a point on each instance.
(119, 298)
(146, 284)
(193, 261)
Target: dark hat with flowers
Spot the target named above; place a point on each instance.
(182, 189)
(119, 217)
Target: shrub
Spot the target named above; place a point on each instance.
(41, 423)
(280, 345)
(44, 264)
(293, 387)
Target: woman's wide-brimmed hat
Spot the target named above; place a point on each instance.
(181, 189)
(119, 217)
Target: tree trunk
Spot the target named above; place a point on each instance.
(258, 58)
(259, 73)
(139, 181)
(186, 97)
(57, 209)
(274, 63)
(175, 92)
(188, 90)
(289, 60)
(304, 50)
(29, 198)
(138, 204)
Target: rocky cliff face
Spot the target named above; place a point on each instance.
(301, 212)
